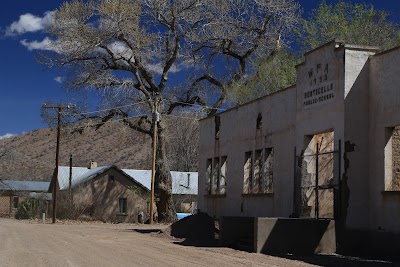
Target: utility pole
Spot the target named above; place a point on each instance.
(156, 119)
(55, 187)
(70, 185)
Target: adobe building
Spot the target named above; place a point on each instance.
(111, 194)
(317, 161)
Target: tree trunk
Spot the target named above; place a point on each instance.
(163, 182)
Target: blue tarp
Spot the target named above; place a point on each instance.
(182, 215)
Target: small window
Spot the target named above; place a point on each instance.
(122, 206)
(111, 178)
(259, 121)
(15, 202)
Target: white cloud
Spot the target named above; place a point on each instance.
(59, 79)
(7, 135)
(120, 49)
(45, 44)
(158, 68)
(30, 23)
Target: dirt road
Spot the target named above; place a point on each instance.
(29, 243)
(25, 243)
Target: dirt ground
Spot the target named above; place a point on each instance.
(30, 243)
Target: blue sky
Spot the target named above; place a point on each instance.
(26, 84)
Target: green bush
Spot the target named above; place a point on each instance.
(28, 209)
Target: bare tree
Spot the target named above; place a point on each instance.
(183, 143)
(128, 50)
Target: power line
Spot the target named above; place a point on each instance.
(195, 104)
(102, 110)
(141, 102)
(182, 117)
(100, 123)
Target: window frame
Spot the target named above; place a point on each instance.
(123, 205)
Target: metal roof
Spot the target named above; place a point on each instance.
(30, 186)
(80, 175)
(181, 184)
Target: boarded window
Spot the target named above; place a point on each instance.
(215, 177)
(223, 172)
(392, 159)
(317, 176)
(268, 171)
(208, 176)
(122, 205)
(258, 174)
(247, 179)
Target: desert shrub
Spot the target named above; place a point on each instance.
(28, 209)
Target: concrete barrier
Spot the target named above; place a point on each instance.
(295, 236)
(280, 235)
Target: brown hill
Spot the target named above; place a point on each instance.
(31, 156)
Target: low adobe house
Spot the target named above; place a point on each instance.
(103, 193)
(12, 193)
(313, 165)
(108, 193)
(184, 187)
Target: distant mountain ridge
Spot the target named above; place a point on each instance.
(31, 156)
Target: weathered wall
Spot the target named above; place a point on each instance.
(341, 89)
(5, 206)
(355, 186)
(384, 115)
(319, 118)
(320, 93)
(6, 202)
(238, 135)
(99, 198)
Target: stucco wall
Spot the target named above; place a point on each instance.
(347, 90)
(355, 193)
(99, 198)
(238, 135)
(384, 115)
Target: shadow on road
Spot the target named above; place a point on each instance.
(338, 260)
(147, 231)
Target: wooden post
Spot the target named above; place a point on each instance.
(55, 188)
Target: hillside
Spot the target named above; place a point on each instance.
(31, 156)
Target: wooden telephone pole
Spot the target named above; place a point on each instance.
(55, 187)
(156, 119)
